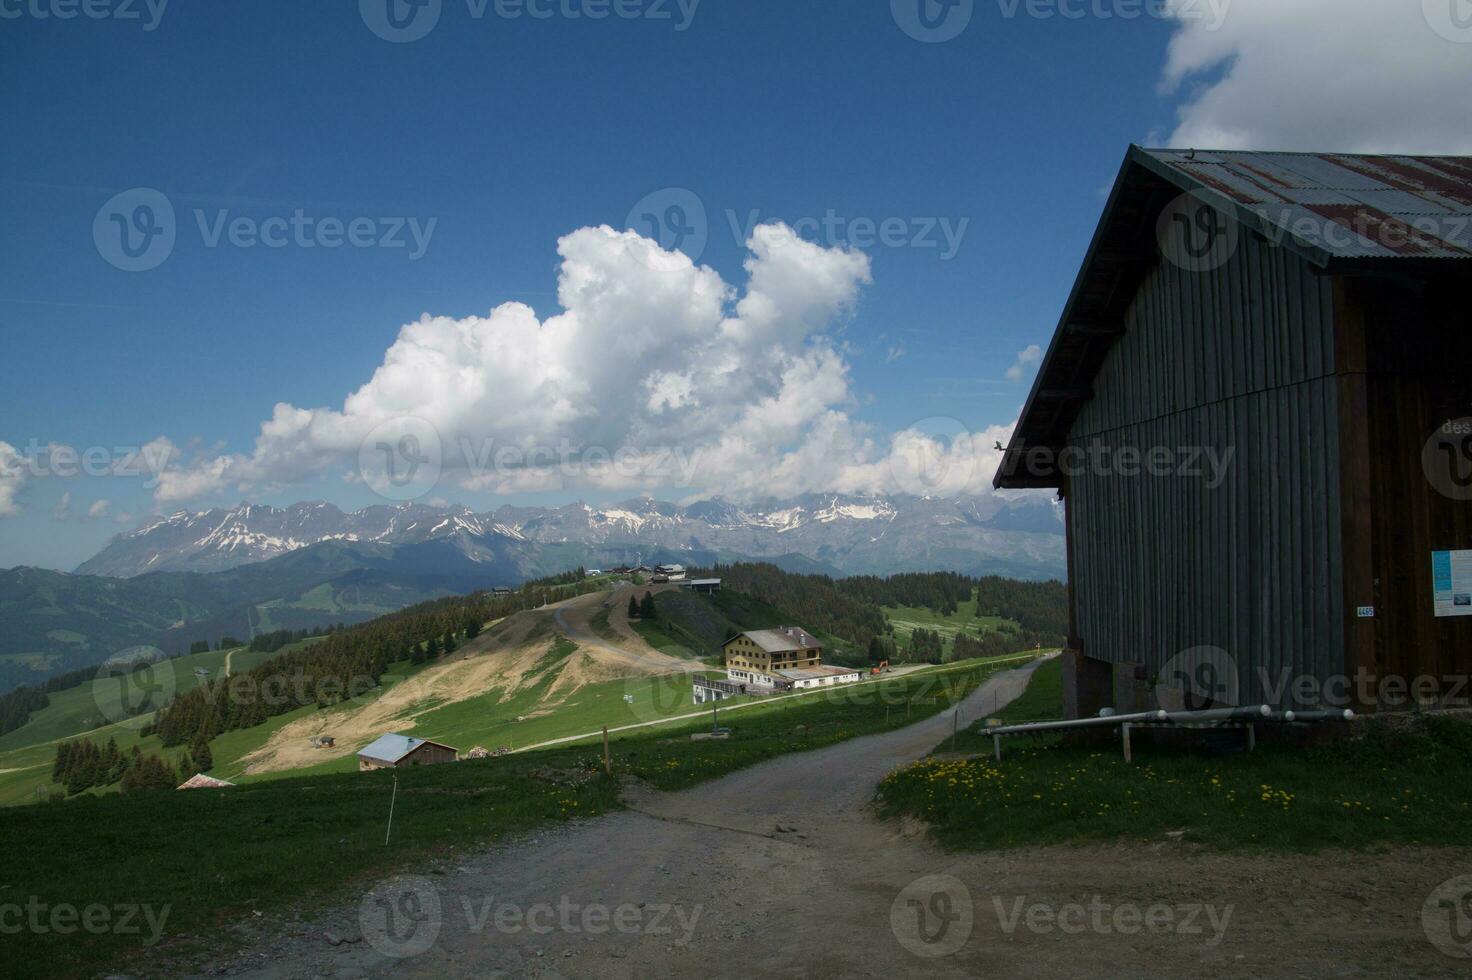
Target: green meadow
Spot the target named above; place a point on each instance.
(1390, 787)
(269, 845)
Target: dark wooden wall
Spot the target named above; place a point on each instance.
(428, 755)
(1239, 359)
(1418, 340)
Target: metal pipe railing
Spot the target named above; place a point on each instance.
(1248, 715)
(1252, 713)
(1107, 720)
(1343, 714)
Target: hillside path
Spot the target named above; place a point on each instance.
(782, 870)
(632, 650)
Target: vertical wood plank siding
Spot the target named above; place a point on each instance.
(1418, 378)
(1241, 360)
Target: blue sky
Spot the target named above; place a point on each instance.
(507, 134)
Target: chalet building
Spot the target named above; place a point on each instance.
(398, 751)
(782, 658)
(1257, 408)
(765, 651)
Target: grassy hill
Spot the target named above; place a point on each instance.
(315, 836)
(907, 619)
(524, 682)
(693, 625)
(52, 622)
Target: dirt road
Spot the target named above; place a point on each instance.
(782, 871)
(574, 617)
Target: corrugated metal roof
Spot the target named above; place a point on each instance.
(392, 748)
(1342, 205)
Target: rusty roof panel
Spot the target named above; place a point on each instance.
(1339, 212)
(1343, 206)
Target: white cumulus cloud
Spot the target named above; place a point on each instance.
(1368, 76)
(12, 477)
(655, 374)
(1026, 358)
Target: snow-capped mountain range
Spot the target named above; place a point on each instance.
(841, 535)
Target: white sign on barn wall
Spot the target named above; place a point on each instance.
(1451, 574)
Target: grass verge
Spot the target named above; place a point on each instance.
(1386, 788)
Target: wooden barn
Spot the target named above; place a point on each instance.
(1257, 408)
(396, 751)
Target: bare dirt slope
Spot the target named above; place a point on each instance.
(617, 641)
(507, 657)
(781, 871)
